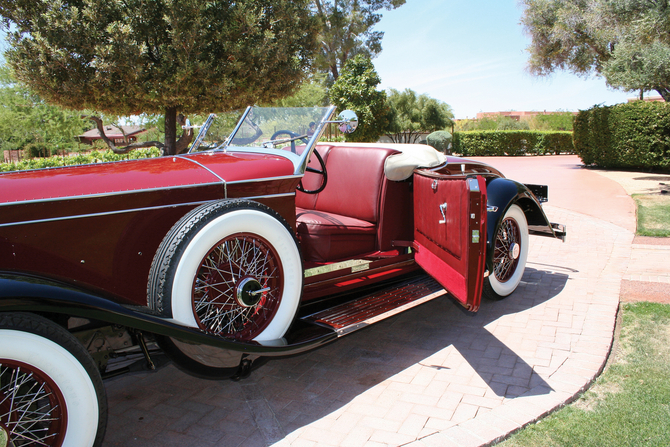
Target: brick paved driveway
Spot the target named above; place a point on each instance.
(433, 376)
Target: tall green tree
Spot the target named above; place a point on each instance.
(356, 89)
(26, 119)
(626, 41)
(411, 114)
(127, 57)
(347, 31)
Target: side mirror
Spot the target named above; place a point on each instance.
(348, 121)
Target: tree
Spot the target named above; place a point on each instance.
(355, 89)
(346, 31)
(626, 41)
(128, 57)
(412, 114)
(26, 119)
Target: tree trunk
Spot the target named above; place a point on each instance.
(665, 93)
(170, 131)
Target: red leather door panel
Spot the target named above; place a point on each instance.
(450, 232)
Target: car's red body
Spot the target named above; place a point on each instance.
(97, 243)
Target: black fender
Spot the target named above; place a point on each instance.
(503, 193)
(25, 293)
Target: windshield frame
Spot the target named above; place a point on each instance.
(299, 161)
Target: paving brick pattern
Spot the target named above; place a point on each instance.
(433, 376)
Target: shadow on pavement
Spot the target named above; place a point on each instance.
(286, 394)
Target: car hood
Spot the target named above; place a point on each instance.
(138, 175)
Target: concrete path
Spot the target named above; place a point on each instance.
(433, 376)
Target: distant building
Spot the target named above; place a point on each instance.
(113, 133)
(648, 99)
(518, 116)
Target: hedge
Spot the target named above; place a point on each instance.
(512, 142)
(80, 159)
(633, 136)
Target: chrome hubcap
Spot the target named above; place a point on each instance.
(514, 251)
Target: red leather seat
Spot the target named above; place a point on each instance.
(345, 219)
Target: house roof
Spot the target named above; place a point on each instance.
(112, 132)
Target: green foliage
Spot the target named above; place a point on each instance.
(25, 119)
(633, 135)
(80, 159)
(552, 121)
(512, 143)
(356, 90)
(346, 31)
(411, 113)
(498, 122)
(312, 93)
(126, 57)
(440, 140)
(627, 41)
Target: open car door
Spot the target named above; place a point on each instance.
(450, 232)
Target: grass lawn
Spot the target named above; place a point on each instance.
(629, 404)
(653, 214)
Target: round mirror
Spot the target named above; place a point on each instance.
(348, 121)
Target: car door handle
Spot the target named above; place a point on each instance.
(443, 210)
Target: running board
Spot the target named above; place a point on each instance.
(369, 309)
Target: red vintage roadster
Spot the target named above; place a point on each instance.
(257, 243)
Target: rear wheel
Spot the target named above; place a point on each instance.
(51, 393)
(510, 252)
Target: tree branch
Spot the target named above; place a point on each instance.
(112, 146)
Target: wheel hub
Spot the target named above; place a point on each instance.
(249, 292)
(514, 251)
(4, 436)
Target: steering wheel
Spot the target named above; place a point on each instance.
(290, 136)
(322, 172)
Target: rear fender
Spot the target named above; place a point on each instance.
(503, 193)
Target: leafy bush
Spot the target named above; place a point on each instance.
(80, 159)
(632, 135)
(512, 142)
(440, 140)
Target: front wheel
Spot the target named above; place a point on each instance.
(51, 393)
(230, 268)
(510, 252)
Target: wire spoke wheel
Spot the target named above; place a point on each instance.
(32, 407)
(507, 250)
(238, 287)
(510, 252)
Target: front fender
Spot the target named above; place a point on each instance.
(24, 293)
(503, 193)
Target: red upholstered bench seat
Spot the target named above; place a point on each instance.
(329, 236)
(345, 219)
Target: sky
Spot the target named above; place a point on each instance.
(472, 55)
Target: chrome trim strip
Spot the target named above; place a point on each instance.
(106, 194)
(205, 168)
(110, 213)
(197, 163)
(266, 179)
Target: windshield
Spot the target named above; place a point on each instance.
(290, 129)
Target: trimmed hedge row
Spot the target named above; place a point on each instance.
(512, 142)
(632, 135)
(80, 159)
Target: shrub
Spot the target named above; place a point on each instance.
(440, 140)
(80, 159)
(633, 135)
(512, 142)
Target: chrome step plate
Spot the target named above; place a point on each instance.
(369, 309)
